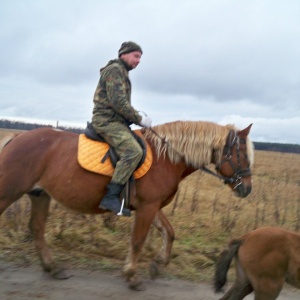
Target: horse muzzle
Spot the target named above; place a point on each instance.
(241, 190)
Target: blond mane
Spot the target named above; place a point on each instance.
(192, 141)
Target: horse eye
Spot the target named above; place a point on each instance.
(242, 141)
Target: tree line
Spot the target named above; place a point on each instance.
(7, 124)
(277, 147)
(266, 146)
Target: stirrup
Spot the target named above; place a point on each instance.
(120, 213)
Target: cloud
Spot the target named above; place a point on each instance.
(206, 60)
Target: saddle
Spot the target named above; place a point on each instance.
(93, 135)
(95, 155)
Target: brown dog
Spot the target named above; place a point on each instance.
(265, 258)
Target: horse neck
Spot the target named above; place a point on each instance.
(183, 169)
(188, 171)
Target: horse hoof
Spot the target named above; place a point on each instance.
(137, 286)
(154, 270)
(60, 274)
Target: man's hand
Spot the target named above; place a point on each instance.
(146, 122)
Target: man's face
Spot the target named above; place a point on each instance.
(132, 58)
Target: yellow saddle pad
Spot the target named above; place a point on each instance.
(91, 153)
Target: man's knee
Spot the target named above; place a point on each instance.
(139, 153)
(134, 153)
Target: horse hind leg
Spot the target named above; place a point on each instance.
(267, 288)
(7, 196)
(162, 259)
(40, 207)
(267, 295)
(237, 291)
(241, 287)
(5, 203)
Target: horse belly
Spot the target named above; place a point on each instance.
(77, 190)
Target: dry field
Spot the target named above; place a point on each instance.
(204, 214)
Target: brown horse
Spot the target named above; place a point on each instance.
(265, 258)
(43, 164)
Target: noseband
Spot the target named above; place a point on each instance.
(238, 172)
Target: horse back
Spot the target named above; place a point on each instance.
(31, 151)
(273, 252)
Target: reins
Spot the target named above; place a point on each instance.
(239, 173)
(226, 180)
(162, 138)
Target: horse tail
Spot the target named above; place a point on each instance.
(8, 138)
(223, 264)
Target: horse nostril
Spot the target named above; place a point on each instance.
(243, 191)
(246, 191)
(249, 189)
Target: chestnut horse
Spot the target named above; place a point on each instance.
(265, 258)
(43, 164)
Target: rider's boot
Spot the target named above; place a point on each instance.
(111, 200)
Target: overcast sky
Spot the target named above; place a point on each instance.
(226, 61)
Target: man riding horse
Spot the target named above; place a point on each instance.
(112, 116)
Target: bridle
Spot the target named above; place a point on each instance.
(238, 172)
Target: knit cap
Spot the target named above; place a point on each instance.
(128, 47)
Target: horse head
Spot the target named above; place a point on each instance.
(236, 162)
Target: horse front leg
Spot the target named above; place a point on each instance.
(37, 224)
(162, 224)
(143, 219)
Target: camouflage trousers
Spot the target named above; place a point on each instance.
(129, 151)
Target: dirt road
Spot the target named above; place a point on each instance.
(20, 283)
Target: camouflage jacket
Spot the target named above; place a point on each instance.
(112, 98)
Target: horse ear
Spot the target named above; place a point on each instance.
(245, 131)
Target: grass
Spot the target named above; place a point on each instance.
(204, 214)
